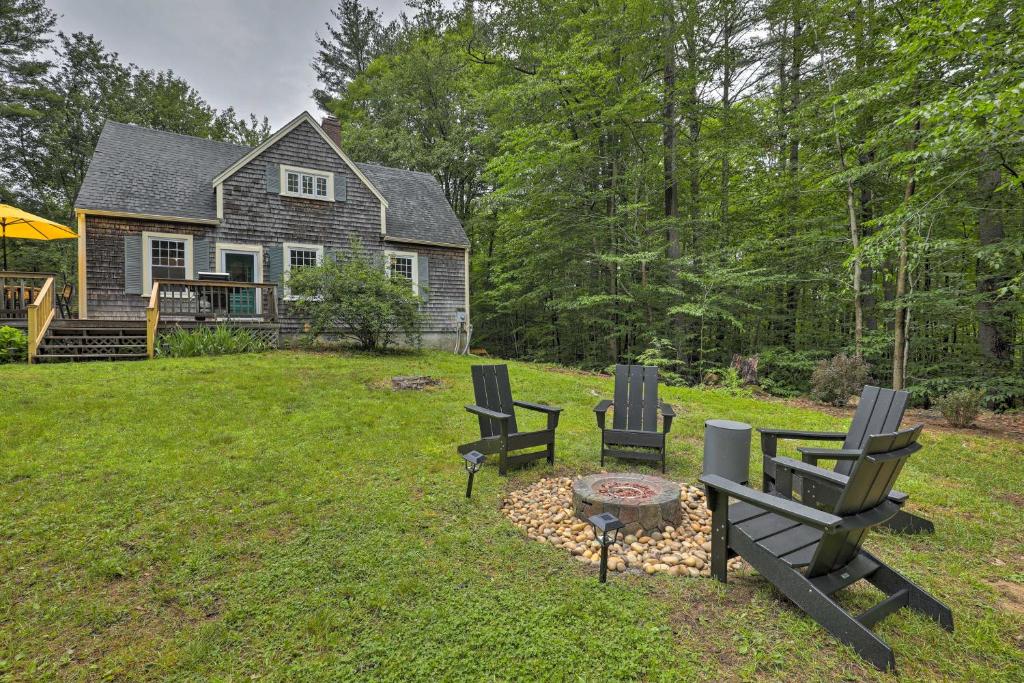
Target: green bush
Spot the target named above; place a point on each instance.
(726, 380)
(960, 407)
(13, 345)
(206, 341)
(355, 298)
(662, 354)
(835, 380)
(786, 373)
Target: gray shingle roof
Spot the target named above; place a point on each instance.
(146, 171)
(141, 170)
(417, 207)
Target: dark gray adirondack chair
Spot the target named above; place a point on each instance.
(810, 554)
(499, 431)
(634, 434)
(879, 411)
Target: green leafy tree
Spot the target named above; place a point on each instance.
(356, 299)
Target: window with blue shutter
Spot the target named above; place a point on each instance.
(424, 277)
(133, 264)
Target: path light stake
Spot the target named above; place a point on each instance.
(606, 530)
(474, 461)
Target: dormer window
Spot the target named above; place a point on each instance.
(307, 183)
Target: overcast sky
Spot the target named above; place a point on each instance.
(254, 55)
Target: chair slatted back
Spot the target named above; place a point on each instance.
(492, 390)
(871, 480)
(879, 411)
(636, 398)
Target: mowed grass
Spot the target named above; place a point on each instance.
(287, 516)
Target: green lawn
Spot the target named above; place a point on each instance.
(287, 516)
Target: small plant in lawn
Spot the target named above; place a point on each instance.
(13, 345)
(358, 300)
(960, 407)
(206, 341)
(834, 381)
(662, 354)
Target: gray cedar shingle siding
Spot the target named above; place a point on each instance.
(252, 215)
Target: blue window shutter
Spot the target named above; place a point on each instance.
(424, 276)
(340, 188)
(133, 264)
(200, 256)
(275, 267)
(273, 178)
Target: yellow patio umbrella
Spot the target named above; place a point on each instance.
(23, 225)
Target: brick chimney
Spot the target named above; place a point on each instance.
(332, 127)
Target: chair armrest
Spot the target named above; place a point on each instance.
(830, 477)
(551, 411)
(667, 413)
(539, 407)
(813, 455)
(807, 470)
(802, 435)
(770, 440)
(783, 506)
(486, 412)
(601, 411)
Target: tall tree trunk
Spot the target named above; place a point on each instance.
(995, 328)
(793, 167)
(900, 341)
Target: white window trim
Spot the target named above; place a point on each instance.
(287, 262)
(388, 253)
(255, 249)
(285, 170)
(147, 257)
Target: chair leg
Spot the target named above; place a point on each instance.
(551, 452)
(663, 461)
(890, 581)
(719, 505)
(819, 606)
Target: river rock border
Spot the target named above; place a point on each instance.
(544, 510)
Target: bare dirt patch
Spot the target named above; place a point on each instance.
(1011, 596)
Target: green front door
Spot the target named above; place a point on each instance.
(241, 267)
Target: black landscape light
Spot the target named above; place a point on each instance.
(606, 530)
(474, 461)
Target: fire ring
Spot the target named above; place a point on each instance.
(640, 501)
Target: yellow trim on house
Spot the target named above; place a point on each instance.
(83, 295)
(148, 216)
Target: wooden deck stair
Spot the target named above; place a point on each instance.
(86, 340)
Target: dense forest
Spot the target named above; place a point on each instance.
(685, 180)
(673, 180)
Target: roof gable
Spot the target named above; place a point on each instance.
(304, 117)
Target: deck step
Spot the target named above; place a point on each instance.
(93, 340)
(78, 357)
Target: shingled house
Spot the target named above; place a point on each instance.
(162, 206)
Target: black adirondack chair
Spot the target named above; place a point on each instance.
(499, 431)
(634, 434)
(879, 411)
(810, 554)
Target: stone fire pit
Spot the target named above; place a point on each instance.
(639, 501)
(544, 511)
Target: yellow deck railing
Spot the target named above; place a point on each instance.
(40, 315)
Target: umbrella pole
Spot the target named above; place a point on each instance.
(4, 224)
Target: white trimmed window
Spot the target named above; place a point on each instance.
(307, 183)
(403, 264)
(299, 256)
(165, 257)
